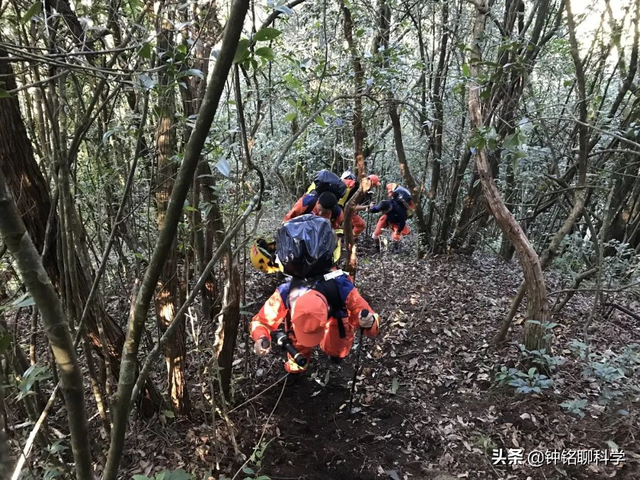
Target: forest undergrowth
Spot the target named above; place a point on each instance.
(429, 402)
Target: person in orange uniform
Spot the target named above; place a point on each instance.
(323, 313)
(324, 205)
(350, 180)
(394, 217)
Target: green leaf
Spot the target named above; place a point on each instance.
(141, 477)
(466, 71)
(242, 52)
(145, 50)
(248, 471)
(35, 9)
(290, 117)
(147, 81)
(4, 94)
(52, 473)
(287, 11)
(179, 474)
(193, 72)
(169, 413)
(511, 141)
(613, 445)
(266, 53)
(33, 374)
(223, 167)
(266, 34)
(320, 121)
(25, 300)
(394, 386)
(5, 342)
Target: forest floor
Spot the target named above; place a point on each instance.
(426, 404)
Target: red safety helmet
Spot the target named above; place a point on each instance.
(375, 180)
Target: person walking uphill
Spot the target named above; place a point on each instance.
(394, 217)
(323, 205)
(352, 184)
(323, 312)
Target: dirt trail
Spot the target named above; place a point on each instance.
(425, 405)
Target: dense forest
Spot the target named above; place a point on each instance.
(147, 149)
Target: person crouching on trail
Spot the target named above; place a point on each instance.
(401, 195)
(394, 217)
(352, 183)
(324, 313)
(324, 205)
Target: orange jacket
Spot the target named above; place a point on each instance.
(303, 206)
(275, 310)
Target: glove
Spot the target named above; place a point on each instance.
(262, 346)
(366, 319)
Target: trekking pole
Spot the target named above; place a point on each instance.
(363, 313)
(281, 339)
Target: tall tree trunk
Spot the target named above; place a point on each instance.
(449, 210)
(167, 293)
(437, 141)
(181, 187)
(39, 285)
(415, 189)
(581, 193)
(506, 248)
(29, 187)
(538, 306)
(359, 133)
(506, 91)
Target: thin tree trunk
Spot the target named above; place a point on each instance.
(359, 133)
(166, 297)
(437, 140)
(29, 187)
(580, 195)
(41, 289)
(184, 179)
(349, 238)
(538, 306)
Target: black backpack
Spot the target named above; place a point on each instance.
(327, 181)
(305, 246)
(401, 194)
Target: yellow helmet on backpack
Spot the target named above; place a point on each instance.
(263, 256)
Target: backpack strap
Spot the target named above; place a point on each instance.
(328, 287)
(312, 203)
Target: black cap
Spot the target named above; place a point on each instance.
(384, 205)
(327, 200)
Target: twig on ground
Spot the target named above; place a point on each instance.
(264, 430)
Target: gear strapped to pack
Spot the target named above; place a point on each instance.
(327, 286)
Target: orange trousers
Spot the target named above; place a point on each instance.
(332, 345)
(358, 224)
(395, 236)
